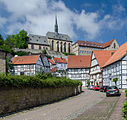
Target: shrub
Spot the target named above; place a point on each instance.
(38, 81)
(124, 109)
(126, 92)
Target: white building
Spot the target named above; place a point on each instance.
(116, 67)
(29, 65)
(78, 68)
(98, 59)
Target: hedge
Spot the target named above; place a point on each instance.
(35, 81)
(124, 109)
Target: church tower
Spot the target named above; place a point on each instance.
(56, 25)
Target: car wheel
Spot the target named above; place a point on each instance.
(107, 95)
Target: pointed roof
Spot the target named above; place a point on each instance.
(103, 56)
(79, 61)
(56, 25)
(117, 55)
(32, 59)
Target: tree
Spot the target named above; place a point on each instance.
(88, 82)
(115, 80)
(18, 40)
(1, 40)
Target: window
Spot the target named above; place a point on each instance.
(32, 46)
(39, 47)
(64, 47)
(114, 45)
(21, 73)
(52, 45)
(69, 48)
(61, 47)
(57, 46)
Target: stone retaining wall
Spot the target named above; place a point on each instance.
(13, 99)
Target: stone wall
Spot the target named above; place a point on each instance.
(13, 99)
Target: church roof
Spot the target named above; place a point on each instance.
(37, 39)
(58, 36)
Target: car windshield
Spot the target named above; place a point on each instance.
(112, 87)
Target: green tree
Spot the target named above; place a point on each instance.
(115, 80)
(8, 64)
(88, 82)
(1, 40)
(18, 40)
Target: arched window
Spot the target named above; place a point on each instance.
(57, 46)
(64, 47)
(61, 47)
(114, 45)
(69, 48)
(39, 47)
(52, 45)
(32, 46)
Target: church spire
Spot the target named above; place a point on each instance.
(56, 26)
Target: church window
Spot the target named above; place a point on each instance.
(64, 47)
(32, 46)
(61, 47)
(57, 46)
(69, 48)
(39, 47)
(52, 45)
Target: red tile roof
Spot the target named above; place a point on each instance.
(59, 60)
(117, 55)
(95, 44)
(53, 69)
(51, 61)
(103, 56)
(32, 59)
(79, 61)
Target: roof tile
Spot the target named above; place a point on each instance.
(32, 59)
(79, 61)
(117, 55)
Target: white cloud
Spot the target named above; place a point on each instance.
(38, 17)
(2, 21)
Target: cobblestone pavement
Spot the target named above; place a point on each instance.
(103, 110)
(63, 110)
(117, 113)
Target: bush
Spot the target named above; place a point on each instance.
(124, 109)
(38, 81)
(126, 92)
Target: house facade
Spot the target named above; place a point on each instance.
(86, 47)
(78, 68)
(28, 65)
(116, 67)
(98, 59)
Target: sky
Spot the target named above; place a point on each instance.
(88, 20)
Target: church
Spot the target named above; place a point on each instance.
(53, 41)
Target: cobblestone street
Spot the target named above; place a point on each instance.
(89, 105)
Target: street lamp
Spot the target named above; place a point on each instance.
(110, 78)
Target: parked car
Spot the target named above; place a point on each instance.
(103, 89)
(96, 88)
(91, 87)
(112, 91)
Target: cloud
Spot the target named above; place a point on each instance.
(2, 21)
(38, 17)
